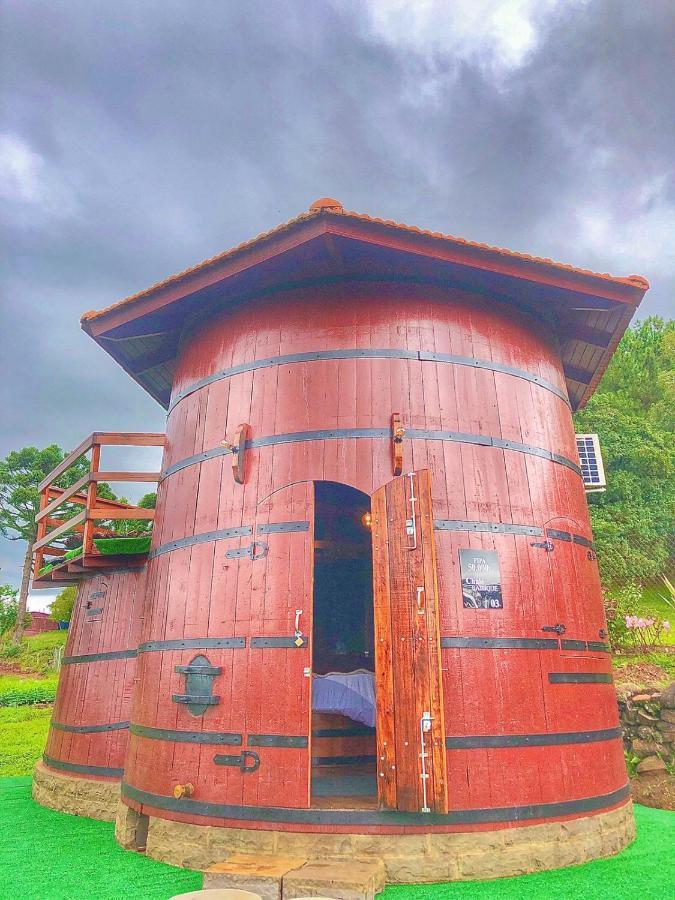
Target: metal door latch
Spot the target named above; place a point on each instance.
(543, 545)
(559, 629)
(239, 761)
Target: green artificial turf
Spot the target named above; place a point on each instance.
(644, 871)
(122, 545)
(46, 855)
(23, 735)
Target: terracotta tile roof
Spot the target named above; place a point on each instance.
(328, 207)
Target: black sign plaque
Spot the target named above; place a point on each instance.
(481, 581)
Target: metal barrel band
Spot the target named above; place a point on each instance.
(580, 678)
(369, 353)
(551, 739)
(81, 769)
(89, 729)
(222, 643)
(99, 657)
(527, 812)
(186, 737)
(374, 433)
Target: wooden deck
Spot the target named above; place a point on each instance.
(57, 520)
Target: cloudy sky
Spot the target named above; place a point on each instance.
(138, 138)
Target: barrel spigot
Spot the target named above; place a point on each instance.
(183, 790)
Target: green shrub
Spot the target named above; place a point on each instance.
(26, 691)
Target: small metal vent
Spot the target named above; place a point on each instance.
(592, 469)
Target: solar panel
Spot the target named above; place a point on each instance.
(592, 469)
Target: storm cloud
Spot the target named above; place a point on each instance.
(138, 138)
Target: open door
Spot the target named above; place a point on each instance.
(274, 600)
(410, 721)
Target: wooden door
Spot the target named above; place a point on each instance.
(407, 648)
(278, 690)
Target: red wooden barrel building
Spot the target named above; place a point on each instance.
(89, 729)
(373, 609)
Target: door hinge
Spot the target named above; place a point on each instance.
(559, 629)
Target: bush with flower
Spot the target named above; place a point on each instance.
(645, 633)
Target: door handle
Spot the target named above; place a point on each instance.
(420, 602)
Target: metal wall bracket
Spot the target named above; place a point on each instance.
(397, 435)
(240, 760)
(198, 670)
(238, 450)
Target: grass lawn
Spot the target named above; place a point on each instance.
(62, 857)
(35, 654)
(23, 735)
(16, 690)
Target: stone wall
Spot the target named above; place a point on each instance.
(648, 721)
(407, 858)
(78, 796)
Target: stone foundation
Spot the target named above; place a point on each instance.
(77, 796)
(407, 858)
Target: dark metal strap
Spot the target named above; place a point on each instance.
(282, 527)
(345, 433)
(572, 645)
(276, 740)
(205, 537)
(376, 817)
(482, 741)
(599, 646)
(103, 771)
(290, 643)
(99, 657)
(356, 731)
(196, 699)
(580, 678)
(343, 760)
(369, 353)
(89, 729)
(492, 527)
(500, 643)
(198, 670)
(187, 737)
(518, 643)
(222, 643)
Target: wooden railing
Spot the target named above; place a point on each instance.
(84, 493)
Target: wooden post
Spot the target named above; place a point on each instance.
(40, 533)
(88, 533)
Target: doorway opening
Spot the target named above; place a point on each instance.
(344, 760)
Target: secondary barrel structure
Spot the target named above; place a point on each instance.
(89, 730)
(373, 622)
